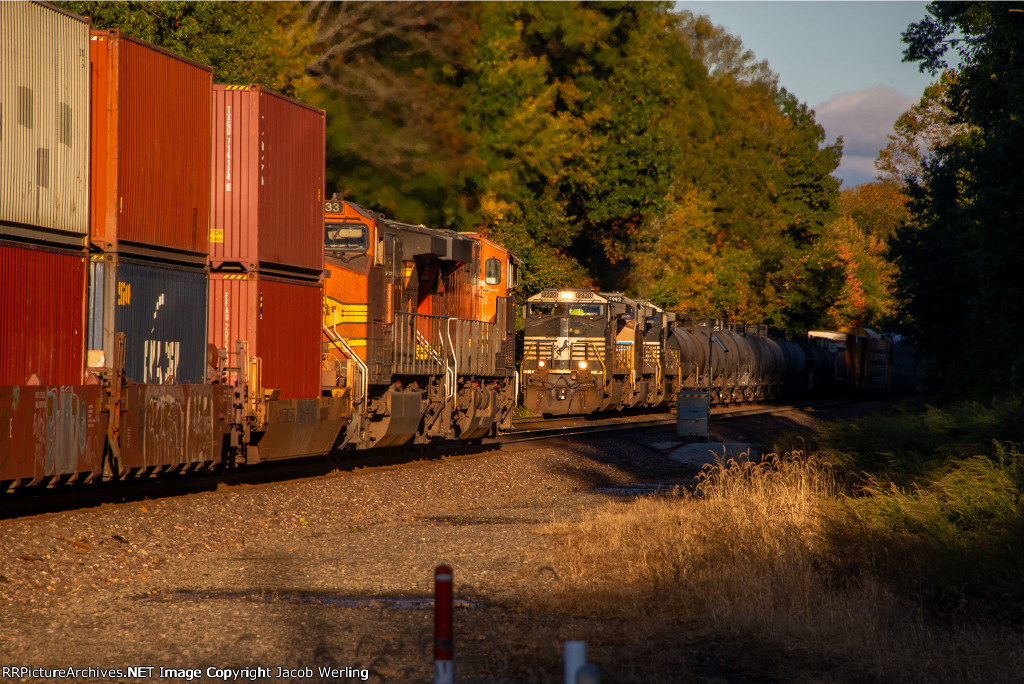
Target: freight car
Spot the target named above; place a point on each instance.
(588, 351)
(218, 311)
(416, 345)
(214, 311)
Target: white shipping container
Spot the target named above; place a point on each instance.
(44, 121)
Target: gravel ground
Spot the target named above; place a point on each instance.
(310, 573)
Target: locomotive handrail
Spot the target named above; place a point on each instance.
(449, 378)
(604, 371)
(412, 352)
(522, 366)
(431, 351)
(364, 380)
(628, 357)
(455, 361)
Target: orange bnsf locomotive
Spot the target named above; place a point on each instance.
(419, 328)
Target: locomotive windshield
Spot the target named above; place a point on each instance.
(346, 237)
(548, 309)
(578, 309)
(566, 309)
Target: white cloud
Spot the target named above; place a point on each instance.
(864, 119)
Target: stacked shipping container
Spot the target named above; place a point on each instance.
(108, 145)
(148, 275)
(150, 150)
(267, 234)
(160, 309)
(280, 318)
(44, 193)
(42, 314)
(44, 95)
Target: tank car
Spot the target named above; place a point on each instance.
(589, 351)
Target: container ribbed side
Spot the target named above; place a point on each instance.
(268, 179)
(44, 122)
(280, 318)
(151, 149)
(42, 315)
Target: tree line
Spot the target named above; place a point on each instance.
(620, 145)
(956, 155)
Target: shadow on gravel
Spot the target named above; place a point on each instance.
(587, 477)
(305, 599)
(633, 455)
(638, 489)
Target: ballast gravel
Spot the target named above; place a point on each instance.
(327, 578)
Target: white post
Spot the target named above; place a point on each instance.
(575, 658)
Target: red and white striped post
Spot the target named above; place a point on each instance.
(443, 634)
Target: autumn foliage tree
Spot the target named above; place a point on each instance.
(617, 144)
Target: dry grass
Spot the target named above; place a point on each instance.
(747, 560)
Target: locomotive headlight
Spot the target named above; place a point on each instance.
(583, 365)
(540, 364)
(565, 294)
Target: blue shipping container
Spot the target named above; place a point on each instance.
(160, 308)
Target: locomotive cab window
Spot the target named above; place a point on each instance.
(580, 309)
(346, 237)
(492, 271)
(547, 309)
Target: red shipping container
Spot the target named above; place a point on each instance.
(281, 319)
(151, 137)
(268, 182)
(42, 314)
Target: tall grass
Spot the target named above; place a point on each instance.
(954, 542)
(911, 441)
(776, 556)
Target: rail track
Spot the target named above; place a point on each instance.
(534, 429)
(33, 501)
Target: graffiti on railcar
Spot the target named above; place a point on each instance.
(50, 431)
(199, 425)
(59, 426)
(176, 425)
(163, 426)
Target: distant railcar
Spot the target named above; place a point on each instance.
(589, 351)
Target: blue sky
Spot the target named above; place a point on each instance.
(844, 59)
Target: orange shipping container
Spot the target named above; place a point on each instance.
(151, 137)
(268, 182)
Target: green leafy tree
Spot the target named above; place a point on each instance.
(385, 73)
(856, 246)
(961, 257)
(570, 107)
(759, 160)
(917, 133)
(240, 40)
